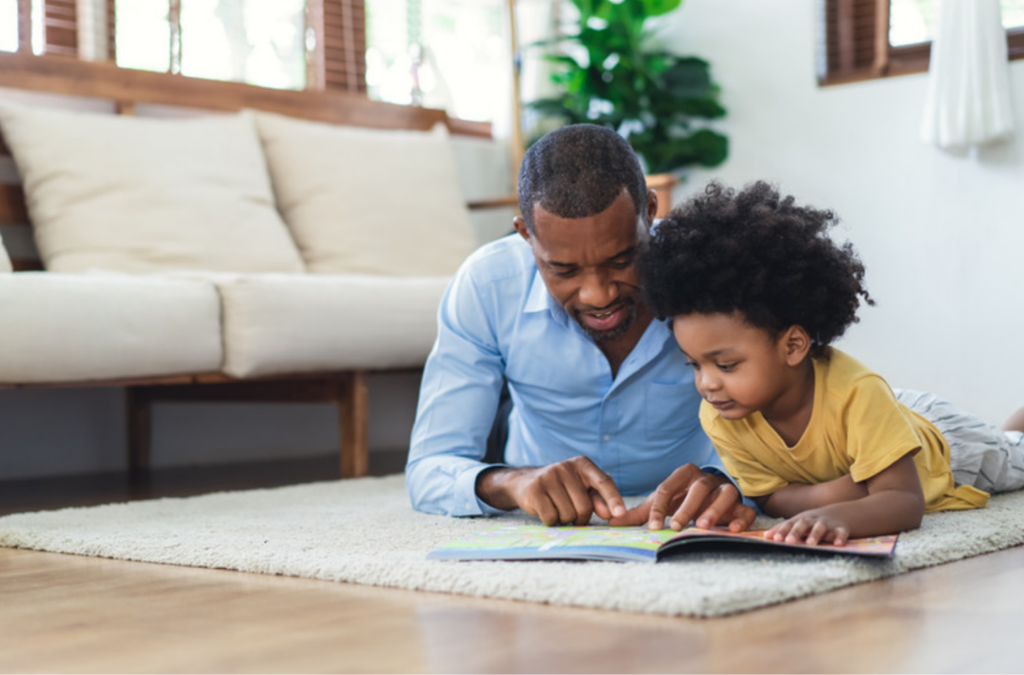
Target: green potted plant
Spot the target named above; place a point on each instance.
(609, 73)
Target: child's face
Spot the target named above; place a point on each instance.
(738, 369)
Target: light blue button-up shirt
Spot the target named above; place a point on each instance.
(497, 321)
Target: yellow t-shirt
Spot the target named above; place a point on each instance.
(857, 427)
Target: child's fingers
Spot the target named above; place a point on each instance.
(798, 532)
(819, 532)
(779, 532)
(842, 535)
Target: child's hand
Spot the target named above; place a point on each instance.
(811, 527)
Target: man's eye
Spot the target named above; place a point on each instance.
(565, 274)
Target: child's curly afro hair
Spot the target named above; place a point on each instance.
(757, 253)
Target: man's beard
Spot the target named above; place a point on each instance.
(628, 318)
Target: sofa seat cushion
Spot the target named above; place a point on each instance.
(143, 195)
(276, 324)
(74, 328)
(368, 201)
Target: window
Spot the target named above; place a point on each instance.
(914, 21)
(259, 42)
(8, 25)
(448, 54)
(285, 44)
(865, 39)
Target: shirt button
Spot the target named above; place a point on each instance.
(607, 437)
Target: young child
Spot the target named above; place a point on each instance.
(757, 292)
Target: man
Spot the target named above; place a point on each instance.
(603, 400)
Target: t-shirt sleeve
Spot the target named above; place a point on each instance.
(879, 430)
(753, 477)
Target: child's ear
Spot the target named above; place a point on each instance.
(797, 345)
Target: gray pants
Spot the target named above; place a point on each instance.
(980, 454)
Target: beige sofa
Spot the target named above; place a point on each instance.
(229, 249)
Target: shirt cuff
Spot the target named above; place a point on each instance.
(718, 472)
(467, 502)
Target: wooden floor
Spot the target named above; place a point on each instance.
(76, 614)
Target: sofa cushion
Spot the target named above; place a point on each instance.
(134, 194)
(78, 327)
(368, 201)
(277, 323)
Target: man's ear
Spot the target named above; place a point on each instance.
(520, 224)
(796, 344)
(652, 206)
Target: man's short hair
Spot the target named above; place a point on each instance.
(578, 171)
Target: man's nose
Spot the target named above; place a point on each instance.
(597, 290)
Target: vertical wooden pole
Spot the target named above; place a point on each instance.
(138, 416)
(517, 144)
(354, 415)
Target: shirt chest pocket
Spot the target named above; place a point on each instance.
(670, 409)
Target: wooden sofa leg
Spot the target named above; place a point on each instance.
(354, 414)
(138, 414)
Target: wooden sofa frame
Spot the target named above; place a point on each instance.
(130, 88)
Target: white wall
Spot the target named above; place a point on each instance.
(942, 237)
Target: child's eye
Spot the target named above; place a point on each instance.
(726, 367)
(693, 364)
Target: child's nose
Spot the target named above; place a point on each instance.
(708, 381)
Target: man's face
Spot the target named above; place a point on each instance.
(588, 264)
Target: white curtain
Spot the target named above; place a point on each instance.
(968, 101)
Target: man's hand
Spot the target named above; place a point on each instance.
(567, 492)
(690, 494)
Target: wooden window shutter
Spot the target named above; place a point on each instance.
(339, 61)
(111, 20)
(60, 27)
(856, 39)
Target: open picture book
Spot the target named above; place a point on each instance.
(633, 544)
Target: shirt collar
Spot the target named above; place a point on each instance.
(540, 300)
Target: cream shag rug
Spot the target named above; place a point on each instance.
(364, 531)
